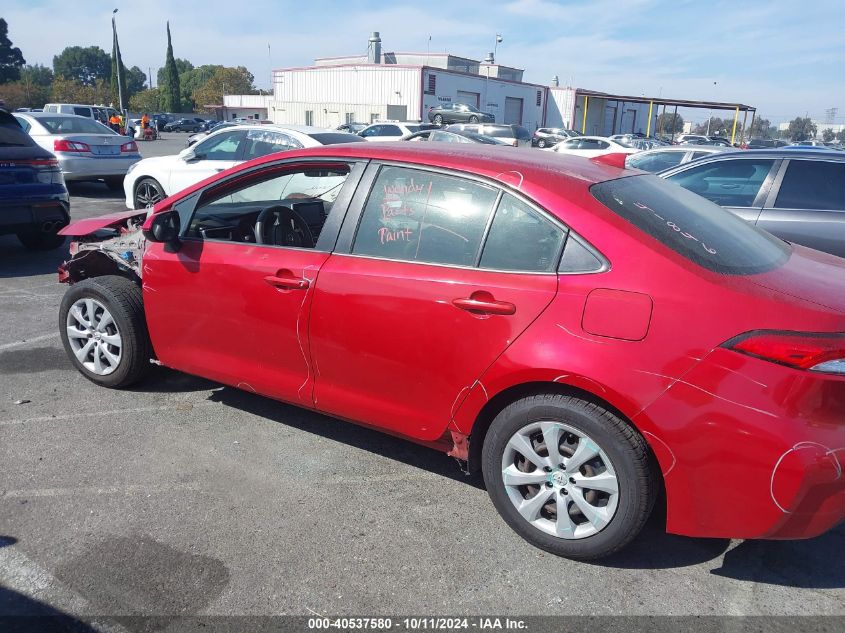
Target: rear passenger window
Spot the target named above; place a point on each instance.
(521, 239)
(812, 184)
(390, 130)
(420, 216)
(729, 183)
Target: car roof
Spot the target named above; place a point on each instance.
(53, 115)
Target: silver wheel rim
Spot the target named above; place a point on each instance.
(560, 480)
(94, 337)
(147, 195)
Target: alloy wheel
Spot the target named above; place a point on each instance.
(94, 336)
(560, 480)
(147, 195)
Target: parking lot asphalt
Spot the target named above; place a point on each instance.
(180, 496)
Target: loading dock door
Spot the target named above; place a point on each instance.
(397, 113)
(513, 110)
(469, 98)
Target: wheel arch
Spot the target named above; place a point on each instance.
(89, 264)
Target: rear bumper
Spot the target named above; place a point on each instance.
(28, 213)
(751, 449)
(87, 168)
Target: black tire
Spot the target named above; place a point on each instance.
(145, 187)
(626, 449)
(473, 119)
(37, 240)
(115, 184)
(541, 142)
(122, 298)
(438, 119)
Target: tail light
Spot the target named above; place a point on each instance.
(818, 352)
(131, 146)
(46, 170)
(61, 145)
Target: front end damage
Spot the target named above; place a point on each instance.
(111, 245)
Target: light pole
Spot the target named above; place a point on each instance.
(496, 45)
(710, 114)
(117, 62)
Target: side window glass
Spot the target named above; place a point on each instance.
(220, 147)
(375, 130)
(296, 198)
(421, 216)
(699, 155)
(729, 183)
(577, 258)
(263, 142)
(390, 130)
(25, 125)
(521, 239)
(812, 185)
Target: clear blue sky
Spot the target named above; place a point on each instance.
(787, 57)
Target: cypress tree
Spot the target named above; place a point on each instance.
(117, 62)
(171, 97)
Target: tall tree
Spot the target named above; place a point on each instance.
(670, 123)
(761, 128)
(11, 58)
(37, 75)
(172, 97)
(801, 129)
(828, 135)
(182, 65)
(148, 100)
(118, 74)
(237, 81)
(134, 80)
(85, 65)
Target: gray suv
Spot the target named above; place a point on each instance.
(797, 194)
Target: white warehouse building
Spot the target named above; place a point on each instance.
(404, 86)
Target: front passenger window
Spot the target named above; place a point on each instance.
(222, 146)
(263, 142)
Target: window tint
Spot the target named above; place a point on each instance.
(729, 183)
(333, 138)
(812, 184)
(391, 130)
(422, 216)
(263, 142)
(577, 258)
(13, 136)
(82, 111)
(25, 126)
(374, 130)
(222, 146)
(573, 144)
(521, 239)
(230, 212)
(654, 162)
(73, 125)
(702, 232)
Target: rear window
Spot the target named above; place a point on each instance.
(334, 138)
(11, 135)
(73, 125)
(692, 226)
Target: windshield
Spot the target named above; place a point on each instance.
(702, 232)
(73, 125)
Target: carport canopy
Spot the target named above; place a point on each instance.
(736, 108)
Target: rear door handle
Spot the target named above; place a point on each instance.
(487, 307)
(289, 283)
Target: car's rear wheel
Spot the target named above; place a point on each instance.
(37, 239)
(541, 142)
(148, 192)
(104, 332)
(568, 476)
(473, 119)
(438, 119)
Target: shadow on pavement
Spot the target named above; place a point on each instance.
(360, 437)
(811, 564)
(16, 261)
(92, 190)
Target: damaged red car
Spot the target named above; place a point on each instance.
(585, 335)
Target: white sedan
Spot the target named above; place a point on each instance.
(590, 146)
(154, 179)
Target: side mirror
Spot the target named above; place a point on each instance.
(163, 227)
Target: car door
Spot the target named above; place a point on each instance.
(371, 133)
(807, 205)
(738, 184)
(408, 313)
(208, 157)
(231, 309)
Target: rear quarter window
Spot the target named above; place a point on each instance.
(692, 226)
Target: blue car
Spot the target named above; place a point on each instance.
(34, 202)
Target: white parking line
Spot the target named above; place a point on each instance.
(23, 575)
(129, 489)
(27, 341)
(181, 406)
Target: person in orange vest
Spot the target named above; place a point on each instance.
(114, 122)
(145, 122)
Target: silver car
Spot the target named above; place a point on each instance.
(660, 158)
(85, 148)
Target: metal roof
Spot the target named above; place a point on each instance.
(681, 103)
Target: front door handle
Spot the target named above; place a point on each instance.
(289, 283)
(485, 306)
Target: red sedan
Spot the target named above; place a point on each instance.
(582, 334)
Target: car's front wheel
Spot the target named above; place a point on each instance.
(148, 192)
(104, 332)
(541, 142)
(473, 119)
(438, 119)
(568, 476)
